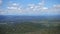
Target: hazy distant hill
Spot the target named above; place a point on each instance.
(15, 18)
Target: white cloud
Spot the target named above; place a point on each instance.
(12, 9)
(35, 9)
(56, 5)
(45, 8)
(15, 4)
(31, 9)
(55, 9)
(0, 2)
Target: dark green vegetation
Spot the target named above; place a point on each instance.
(30, 28)
(29, 24)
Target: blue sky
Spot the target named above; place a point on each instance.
(24, 3)
(48, 3)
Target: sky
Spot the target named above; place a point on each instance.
(29, 7)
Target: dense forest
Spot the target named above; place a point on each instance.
(29, 25)
(30, 28)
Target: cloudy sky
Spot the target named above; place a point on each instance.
(29, 7)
